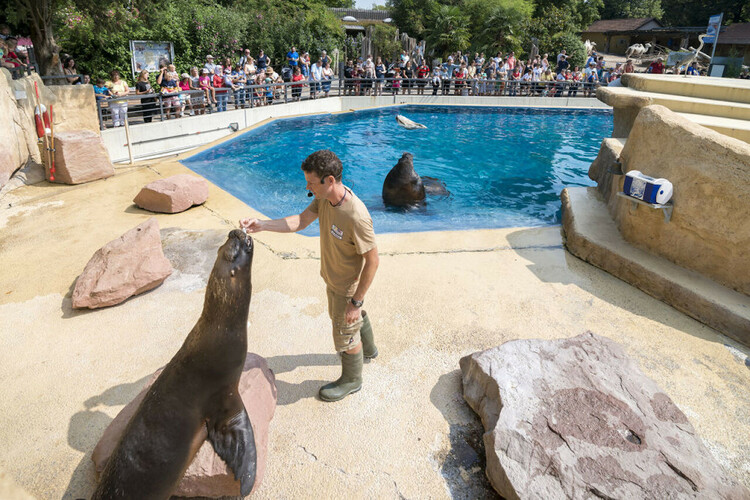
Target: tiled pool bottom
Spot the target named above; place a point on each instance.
(504, 167)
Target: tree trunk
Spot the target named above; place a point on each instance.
(46, 51)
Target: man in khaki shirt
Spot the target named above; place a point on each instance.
(348, 262)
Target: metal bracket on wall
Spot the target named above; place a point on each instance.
(634, 202)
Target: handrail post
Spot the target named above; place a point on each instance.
(161, 106)
(100, 113)
(286, 99)
(127, 138)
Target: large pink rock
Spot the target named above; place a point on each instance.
(80, 156)
(577, 419)
(173, 194)
(208, 475)
(133, 263)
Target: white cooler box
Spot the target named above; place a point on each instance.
(647, 188)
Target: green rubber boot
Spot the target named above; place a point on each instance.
(369, 349)
(350, 380)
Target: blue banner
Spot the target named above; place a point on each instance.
(714, 26)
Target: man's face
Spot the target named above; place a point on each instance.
(314, 185)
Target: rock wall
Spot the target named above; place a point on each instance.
(74, 109)
(709, 231)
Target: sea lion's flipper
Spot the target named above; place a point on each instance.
(233, 440)
(435, 187)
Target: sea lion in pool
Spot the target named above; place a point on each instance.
(407, 123)
(196, 392)
(403, 187)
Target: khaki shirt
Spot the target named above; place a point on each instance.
(345, 234)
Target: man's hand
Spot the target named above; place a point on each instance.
(251, 225)
(352, 313)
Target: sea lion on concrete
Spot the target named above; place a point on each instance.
(407, 123)
(197, 391)
(403, 187)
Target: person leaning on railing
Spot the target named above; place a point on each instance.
(297, 87)
(143, 86)
(168, 79)
(3, 51)
(119, 88)
(69, 68)
(327, 74)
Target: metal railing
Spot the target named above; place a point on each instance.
(146, 108)
(467, 87)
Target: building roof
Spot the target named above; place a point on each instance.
(361, 14)
(737, 34)
(607, 25)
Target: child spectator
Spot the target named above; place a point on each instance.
(101, 91)
(206, 85)
(435, 80)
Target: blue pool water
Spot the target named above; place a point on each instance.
(504, 167)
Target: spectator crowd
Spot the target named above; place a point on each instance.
(253, 81)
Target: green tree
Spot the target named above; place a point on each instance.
(447, 30)
(580, 13)
(573, 46)
(384, 41)
(697, 12)
(409, 15)
(620, 9)
(502, 30)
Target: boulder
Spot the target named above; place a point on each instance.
(133, 263)
(606, 167)
(173, 194)
(709, 231)
(576, 418)
(208, 475)
(80, 156)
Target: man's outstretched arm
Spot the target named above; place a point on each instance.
(290, 224)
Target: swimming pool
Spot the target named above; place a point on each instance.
(504, 167)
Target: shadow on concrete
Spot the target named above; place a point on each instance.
(135, 209)
(578, 272)
(288, 393)
(463, 465)
(66, 307)
(86, 428)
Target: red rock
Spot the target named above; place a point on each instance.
(208, 475)
(80, 156)
(173, 194)
(133, 263)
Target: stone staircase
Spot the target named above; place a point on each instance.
(720, 104)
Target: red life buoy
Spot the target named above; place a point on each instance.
(39, 120)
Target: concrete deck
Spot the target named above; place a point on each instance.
(436, 298)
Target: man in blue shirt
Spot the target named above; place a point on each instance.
(292, 57)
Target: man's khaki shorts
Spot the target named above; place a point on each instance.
(345, 336)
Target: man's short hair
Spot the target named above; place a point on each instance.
(323, 163)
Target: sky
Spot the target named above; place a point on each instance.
(367, 4)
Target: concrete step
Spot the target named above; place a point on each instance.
(719, 89)
(739, 129)
(626, 96)
(591, 235)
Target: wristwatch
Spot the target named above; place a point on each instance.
(357, 303)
